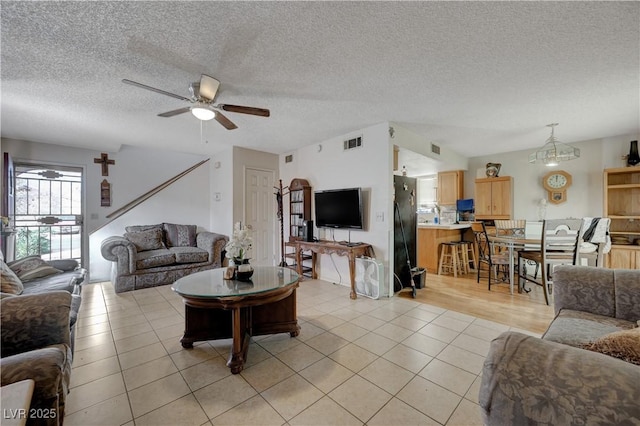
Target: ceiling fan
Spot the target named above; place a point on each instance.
(203, 94)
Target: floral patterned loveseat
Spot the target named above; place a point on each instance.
(153, 255)
(585, 368)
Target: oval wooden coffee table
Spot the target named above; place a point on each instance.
(216, 308)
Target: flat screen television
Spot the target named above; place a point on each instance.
(339, 208)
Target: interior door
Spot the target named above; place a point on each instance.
(260, 207)
(48, 211)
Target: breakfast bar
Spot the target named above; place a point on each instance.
(430, 236)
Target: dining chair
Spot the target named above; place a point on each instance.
(509, 227)
(558, 245)
(594, 241)
(487, 255)
(532, 231)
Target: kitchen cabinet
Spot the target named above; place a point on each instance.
(624, 258)
(494, 198)
(450, 187)
(622, 205)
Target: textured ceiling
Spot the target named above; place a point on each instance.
(475, 77)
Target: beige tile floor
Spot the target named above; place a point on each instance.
(376, 362)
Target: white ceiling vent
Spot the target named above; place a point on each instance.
(353, 143)
(435, 149)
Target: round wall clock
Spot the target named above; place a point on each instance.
(556, 184)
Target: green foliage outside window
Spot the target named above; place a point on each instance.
(31, 242)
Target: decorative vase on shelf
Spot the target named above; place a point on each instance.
(633, 158)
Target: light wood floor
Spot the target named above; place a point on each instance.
(527, 310)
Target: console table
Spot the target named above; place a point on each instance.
(330, 247)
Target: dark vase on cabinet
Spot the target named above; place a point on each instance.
(633, 158)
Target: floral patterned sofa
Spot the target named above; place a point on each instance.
(585, 369)
(153, 255)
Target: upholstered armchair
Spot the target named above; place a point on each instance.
(36, 344)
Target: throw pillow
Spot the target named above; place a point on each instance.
(10, 283)
(22, 259)
(138, 228)
(180, 235)
(150, 239)
(30, 268)
(623, 344)
(64, 264)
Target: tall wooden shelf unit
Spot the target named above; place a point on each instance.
(299, 207)
(622, 206)
(299, 212)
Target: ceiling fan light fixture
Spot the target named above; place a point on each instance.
(202, 113)
(554, 151)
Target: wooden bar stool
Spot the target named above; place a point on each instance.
(468, 255)
(450, 261)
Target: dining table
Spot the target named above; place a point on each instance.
(513, 242)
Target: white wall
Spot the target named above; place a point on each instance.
(447, 160)
(221, 183)
(328, 166)
(584, 197)
(186, 201)
(136, 171)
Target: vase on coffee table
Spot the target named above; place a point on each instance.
(244, 270)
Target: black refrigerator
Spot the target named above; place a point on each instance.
(405, 229)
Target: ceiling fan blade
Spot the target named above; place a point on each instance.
(245, 110)
(153, 89)
(208, 87)
(228, 124)
(175, 112)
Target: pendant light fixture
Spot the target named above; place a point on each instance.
(554, 151)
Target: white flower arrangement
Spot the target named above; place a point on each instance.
(239, 243)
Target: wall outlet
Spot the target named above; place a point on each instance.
(217, 196)
(380, 217)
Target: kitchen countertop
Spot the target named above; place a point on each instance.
(442, 226)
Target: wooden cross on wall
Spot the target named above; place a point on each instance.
(105, 162)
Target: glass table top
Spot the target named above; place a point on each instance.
(211, 284)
